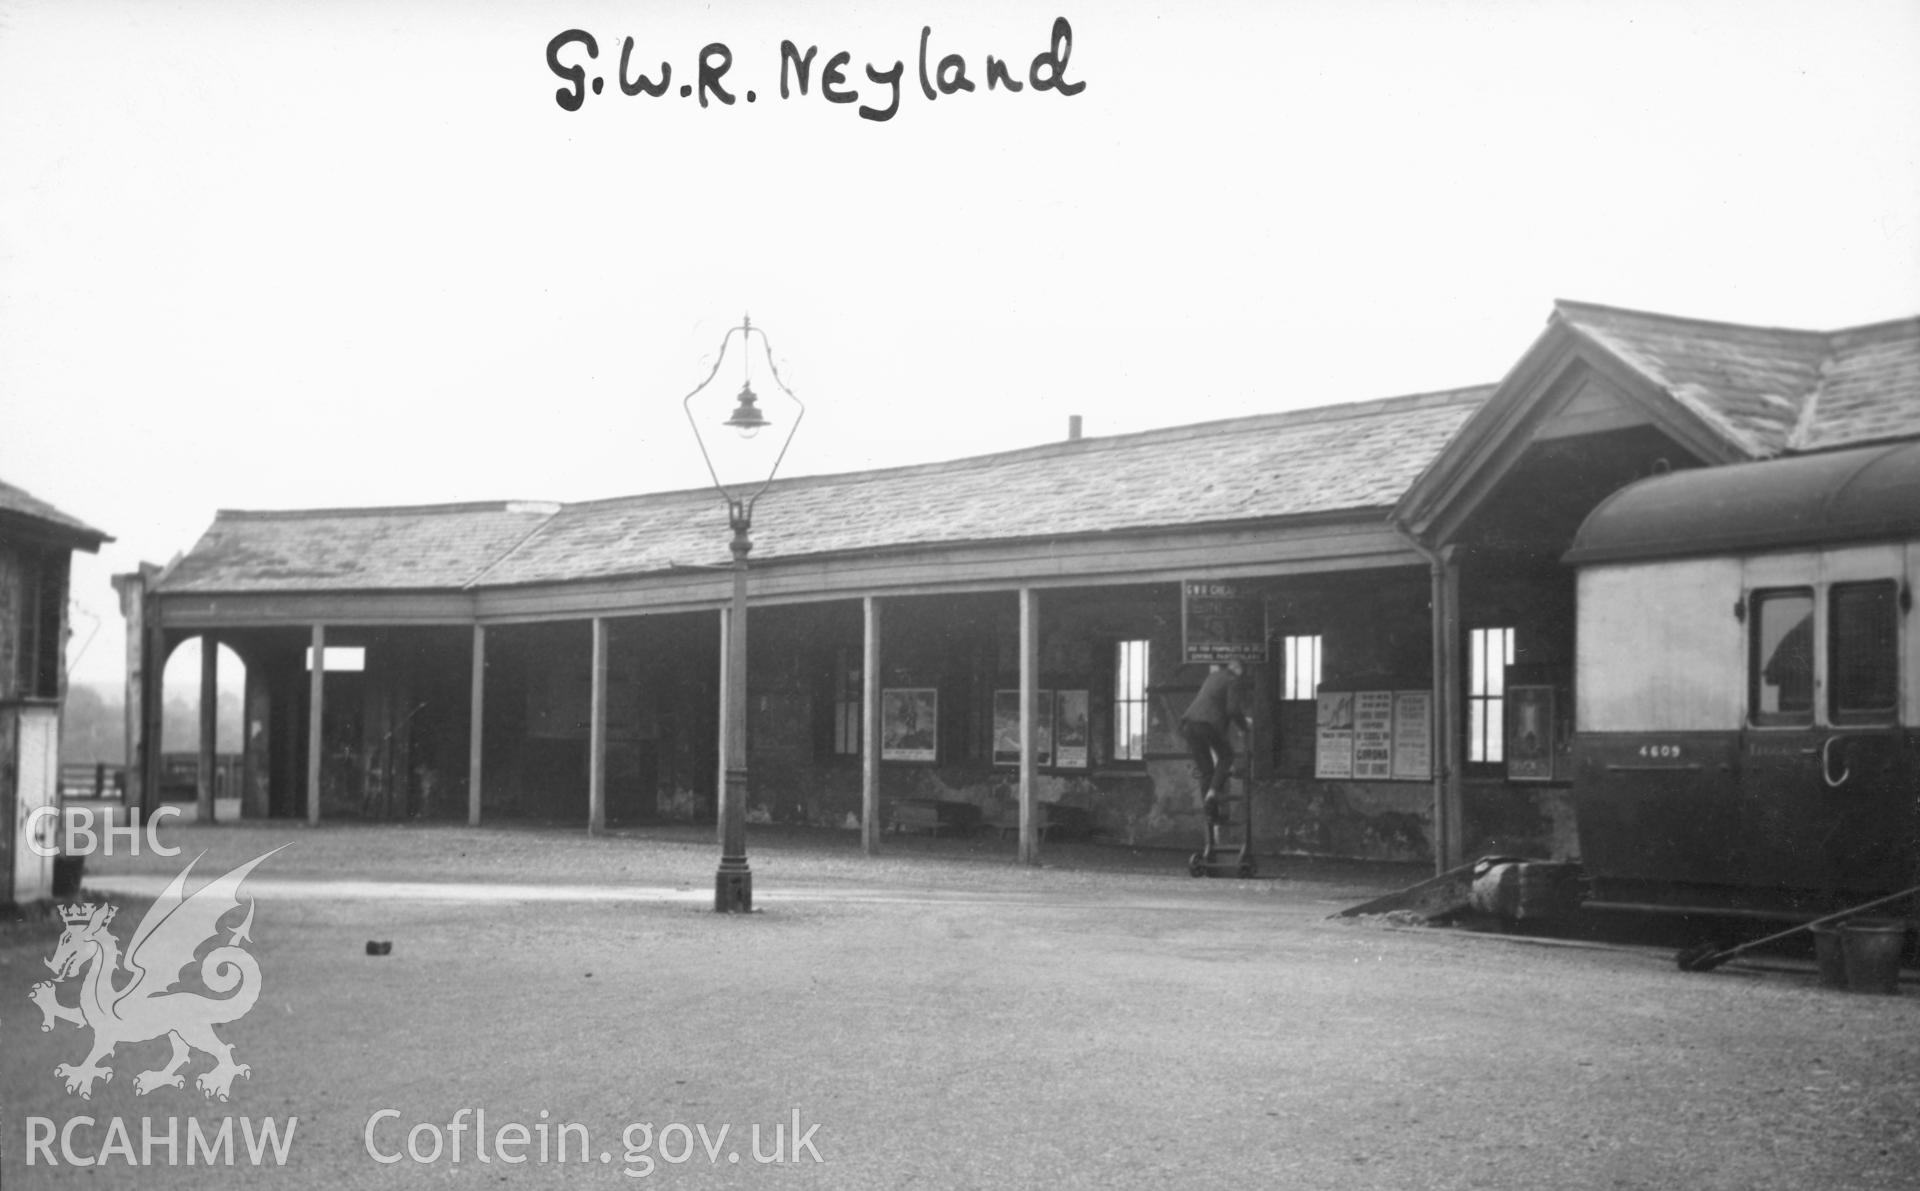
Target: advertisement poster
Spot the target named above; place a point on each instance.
(1373, 735)
(1070, 737)
(1333, 745)
(1530, 733)
(1413, 735)
(909, 724)
(1006, 727)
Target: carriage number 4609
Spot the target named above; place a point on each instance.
(1660, 750)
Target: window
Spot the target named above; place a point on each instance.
(1780, 657)
(1296, 713)
(342, 658)
(1491, 652)
(1302, 674)
(1862, 651)
(1130, 700)
(846, 703)
(43, 601)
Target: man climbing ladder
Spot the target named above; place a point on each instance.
(1208, 724)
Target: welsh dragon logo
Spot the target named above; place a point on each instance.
(147, 1006)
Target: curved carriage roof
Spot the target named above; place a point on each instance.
(1838, 496)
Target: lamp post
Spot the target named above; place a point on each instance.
(733, 882)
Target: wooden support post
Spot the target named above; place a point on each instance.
(870, 729)
(209, 724)
(1029, 711)
(152, 708)
(316, 746)
(376, 710)
(476, 723)
(1448, 829)
(597, 733)
(400, 797)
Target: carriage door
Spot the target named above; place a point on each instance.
(1826, 806)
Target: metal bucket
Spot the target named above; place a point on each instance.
(1827, 954)
(1871, 949)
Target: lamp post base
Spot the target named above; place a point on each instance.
(733, 887)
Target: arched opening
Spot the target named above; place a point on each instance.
(182, 692)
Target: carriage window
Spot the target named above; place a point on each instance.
(1862, 654)
(1780, 664)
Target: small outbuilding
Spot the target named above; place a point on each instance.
(37, 542)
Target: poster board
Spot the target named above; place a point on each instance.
(1222, 621)
(1373, 736)
(1333, 735)
(1413, 735)
(909, 724)
(1530, 733)
(1006, 727)
(1071, 736)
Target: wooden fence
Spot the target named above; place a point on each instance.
(179, 778)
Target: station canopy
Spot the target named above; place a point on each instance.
(1862, 494)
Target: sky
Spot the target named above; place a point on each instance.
(342, 254)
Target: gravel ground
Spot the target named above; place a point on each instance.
(948, 1019)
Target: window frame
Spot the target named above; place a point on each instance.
(1757, 599)
(1491, 702)
(1882, 714)
(847, 696)
(41, 626)
(1123, 670)
(1289, 649)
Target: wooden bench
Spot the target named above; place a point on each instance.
(933, 815)
(1057, 820)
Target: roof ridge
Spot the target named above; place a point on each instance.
(1276, 419)
(547, 507)
(1563, 305)
(1865, 329)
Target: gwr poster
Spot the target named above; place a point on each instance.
(1222, 622)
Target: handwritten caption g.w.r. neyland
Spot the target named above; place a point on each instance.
(949, 75)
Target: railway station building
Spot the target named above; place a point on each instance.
(1403, 560)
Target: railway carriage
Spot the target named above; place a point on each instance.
(1747, 676)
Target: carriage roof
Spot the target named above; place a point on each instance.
(1867, 493)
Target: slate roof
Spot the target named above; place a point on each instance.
(430, 547)
(1770, 391)
(19, 503)
(1345, 459)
